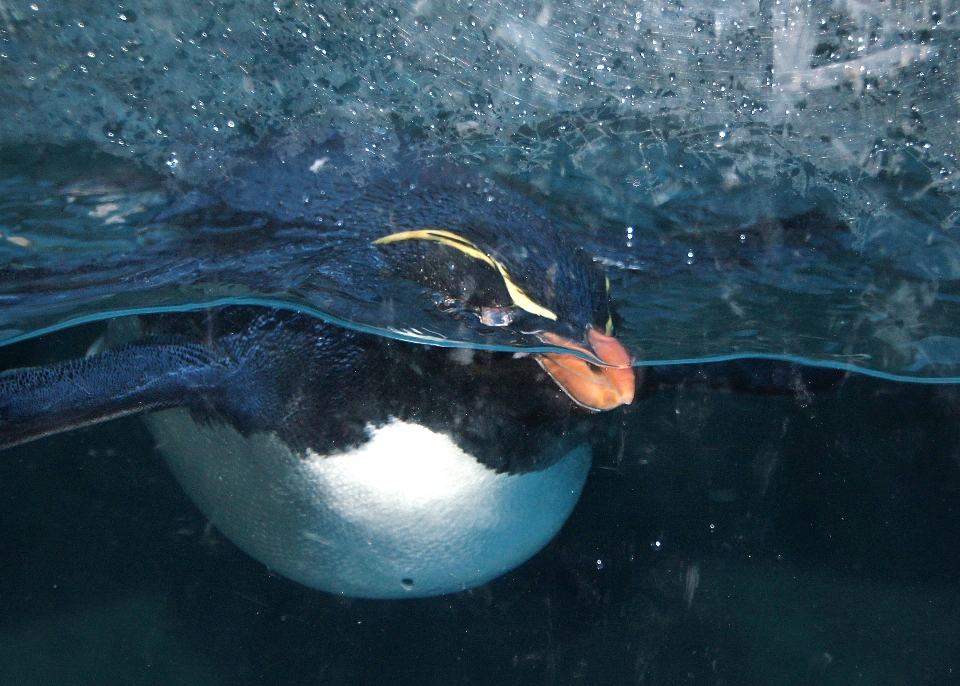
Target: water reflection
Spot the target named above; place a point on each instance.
(689, 122)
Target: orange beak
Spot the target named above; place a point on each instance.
(590, 385)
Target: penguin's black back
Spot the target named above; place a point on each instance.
(322, 387)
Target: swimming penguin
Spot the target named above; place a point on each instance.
(352, 462)
(348, 461)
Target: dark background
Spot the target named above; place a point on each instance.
(822, 531)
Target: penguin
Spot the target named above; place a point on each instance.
(355, 463)
(342, 457)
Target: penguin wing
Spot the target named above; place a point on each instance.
(40, 401)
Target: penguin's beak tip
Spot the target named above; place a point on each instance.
(592, 386)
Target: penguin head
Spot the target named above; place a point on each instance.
(534, 282)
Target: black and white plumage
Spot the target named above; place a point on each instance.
(353, 462)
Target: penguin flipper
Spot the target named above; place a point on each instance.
(137, 378)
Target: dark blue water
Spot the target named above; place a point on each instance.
(721, 538)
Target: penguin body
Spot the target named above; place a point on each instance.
(367, 467)
(407, 514)
(349, 462)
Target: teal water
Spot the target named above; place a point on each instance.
(755, 179)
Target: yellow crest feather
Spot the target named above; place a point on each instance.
(467, 247)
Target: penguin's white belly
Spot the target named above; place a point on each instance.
(406, 514)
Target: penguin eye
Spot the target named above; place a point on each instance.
(469, 248)
(495, 316)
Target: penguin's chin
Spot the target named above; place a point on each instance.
(406, 514)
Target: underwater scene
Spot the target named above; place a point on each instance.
(447, 342)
